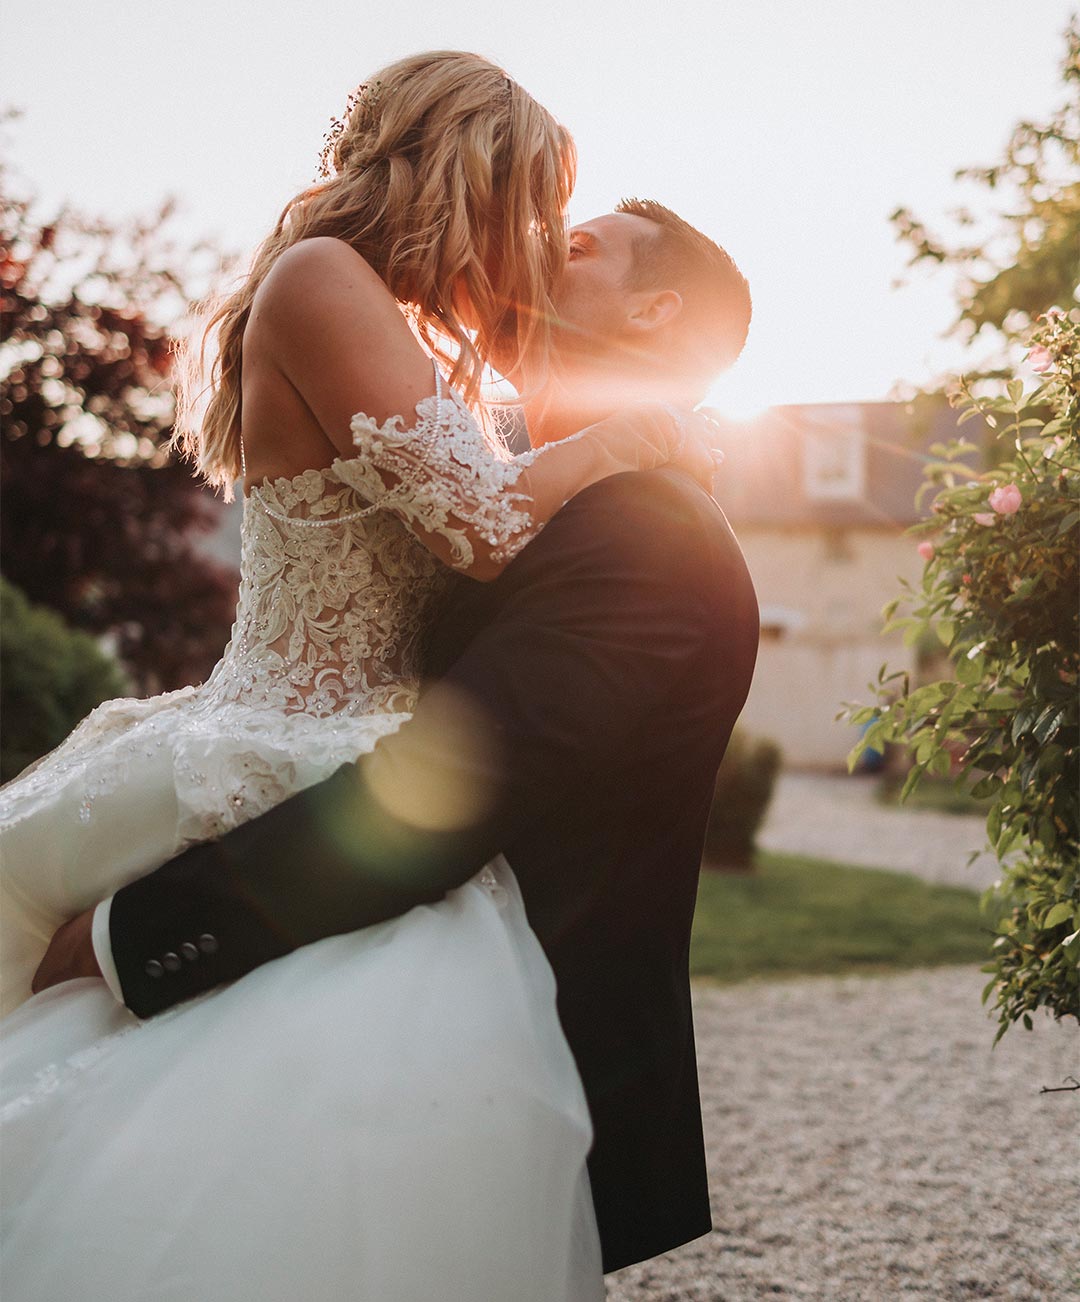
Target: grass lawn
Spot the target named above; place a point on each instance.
(796, 916)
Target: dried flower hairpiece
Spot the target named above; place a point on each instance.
(366, 96)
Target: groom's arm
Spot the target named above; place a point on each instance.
(607, 609)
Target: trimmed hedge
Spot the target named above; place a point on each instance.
(744, 787)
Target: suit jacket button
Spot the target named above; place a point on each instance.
(171, 961)
(154, 969)
(189, 951)
(208, 944)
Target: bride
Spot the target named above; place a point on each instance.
(392, 1114)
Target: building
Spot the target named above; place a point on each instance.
(819, 497)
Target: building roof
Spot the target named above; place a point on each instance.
(832, 466)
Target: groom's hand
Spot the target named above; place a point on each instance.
(70, 954)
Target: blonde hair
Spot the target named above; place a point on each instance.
(446, 176)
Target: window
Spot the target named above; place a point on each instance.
(834, 454)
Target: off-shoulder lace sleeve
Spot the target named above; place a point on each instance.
(465, 498)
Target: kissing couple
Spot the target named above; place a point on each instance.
(361, 970)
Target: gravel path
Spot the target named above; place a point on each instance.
(838, 818)
(867, 1145)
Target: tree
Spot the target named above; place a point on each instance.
(1002, 576)
(1029, 259)
(99, 519)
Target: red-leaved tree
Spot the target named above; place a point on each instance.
(99, 520)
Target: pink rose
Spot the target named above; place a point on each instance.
(1040, 359)
(984, 517)
(926, 550)
(1006, 500)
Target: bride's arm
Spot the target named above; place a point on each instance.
(476, 509)
(341, 341)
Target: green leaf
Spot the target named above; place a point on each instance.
(877, 734)
(911, 782)
(1010, 838)
(1049, 722)
(1058, 914)
(999, 701)
(1070, 522)
(993, 823)
(1022, 721)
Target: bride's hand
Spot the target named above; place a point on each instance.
(696, 452)
(669, 435)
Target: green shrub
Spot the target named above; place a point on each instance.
(744, 787)
(50, 677)
(1002, 551)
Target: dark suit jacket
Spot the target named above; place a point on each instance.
(579, 708)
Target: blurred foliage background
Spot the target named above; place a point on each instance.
(100, 522)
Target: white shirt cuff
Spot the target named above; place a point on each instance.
(102, 942)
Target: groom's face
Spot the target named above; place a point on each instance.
(593, 301)
(593, 304)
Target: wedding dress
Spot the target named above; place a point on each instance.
(391, 1115)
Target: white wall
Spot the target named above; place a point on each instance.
(826, 591)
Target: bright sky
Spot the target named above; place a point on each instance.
(788, 131)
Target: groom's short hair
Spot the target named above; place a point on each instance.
(712, 328)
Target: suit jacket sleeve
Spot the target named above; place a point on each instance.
(605, 612)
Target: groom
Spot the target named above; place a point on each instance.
(574, 714)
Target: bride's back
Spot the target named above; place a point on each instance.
(324, 339)
(281, 435)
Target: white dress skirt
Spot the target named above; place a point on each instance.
(392, 1114)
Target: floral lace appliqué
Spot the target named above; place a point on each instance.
(443, 476)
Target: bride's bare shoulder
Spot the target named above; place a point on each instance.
(321, 255)
(323, 274)
(324, 320)
(322, 303)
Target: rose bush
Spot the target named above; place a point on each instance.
(1000, 590)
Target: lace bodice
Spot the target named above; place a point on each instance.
(331, 603)
(335, 588)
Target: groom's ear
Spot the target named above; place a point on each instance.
(653, 309)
